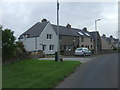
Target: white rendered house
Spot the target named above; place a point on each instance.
(40, 36)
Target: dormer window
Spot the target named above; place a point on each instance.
(25, 36)
(49, 36)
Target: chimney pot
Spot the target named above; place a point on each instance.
(111, 36)
(68, 25)
(85, 29)
(44, 20)
(103, 35)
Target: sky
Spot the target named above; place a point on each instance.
(20, 16)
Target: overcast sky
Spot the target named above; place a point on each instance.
(20, 16)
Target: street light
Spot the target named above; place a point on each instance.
(96, 33)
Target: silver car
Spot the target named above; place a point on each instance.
(82, 51)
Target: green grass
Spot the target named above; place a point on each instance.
(36, 73)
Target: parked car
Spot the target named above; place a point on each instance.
(82, 51)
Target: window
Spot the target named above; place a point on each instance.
(68, 48)
(43, 47)
(80, 33)
(87, 34)
(82, 46)
(91, 39)
(60, 37)
(82, 39)
(49, 36)
(51, 47)
(88, 47)
(91, 46)
(64, 47)
(25, 36)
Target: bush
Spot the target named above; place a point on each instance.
(62, 52)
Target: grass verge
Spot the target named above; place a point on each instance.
(36, 73)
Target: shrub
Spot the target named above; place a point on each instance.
(62, 52)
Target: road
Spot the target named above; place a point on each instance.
(101, 72)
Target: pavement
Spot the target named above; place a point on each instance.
(99, 72)
(81, 59)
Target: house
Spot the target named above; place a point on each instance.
(116, 43)
(40, 36)
(97, 41)
(85, 38)
(72, 38)
(43, 36)
(109, 43)
(69, 40)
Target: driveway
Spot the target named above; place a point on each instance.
(100, 72)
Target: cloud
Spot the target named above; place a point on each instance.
(20, 16)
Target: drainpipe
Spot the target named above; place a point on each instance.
(35, 43)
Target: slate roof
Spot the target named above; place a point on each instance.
(65, 31)
(36, 30)
(83, 32)
(109, 40)
(94, 34)
(116, 40)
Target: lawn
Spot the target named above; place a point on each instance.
(36, 73)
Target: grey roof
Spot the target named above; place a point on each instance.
(116, 40)
(35, 30)
(83, 32)
(94, 34)
(65, 31)
(109, 40)
(70, 31)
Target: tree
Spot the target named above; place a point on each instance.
(0, 36)
(8, 43)
(0, 41)
(20, 48)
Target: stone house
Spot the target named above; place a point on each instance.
(97, 41)
(109, 43)
(85, 38)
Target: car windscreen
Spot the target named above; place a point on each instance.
(79, 49)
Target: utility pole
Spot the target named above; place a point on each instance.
(57, 58)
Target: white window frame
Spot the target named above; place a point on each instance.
(51, 47)
(49, 36)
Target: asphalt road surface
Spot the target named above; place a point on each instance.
(101, 72)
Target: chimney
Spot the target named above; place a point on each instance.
(103, 35)
(44, 20)
(111, 37)
(85, 29)
(68, 26)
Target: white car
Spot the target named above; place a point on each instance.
(82, 51)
